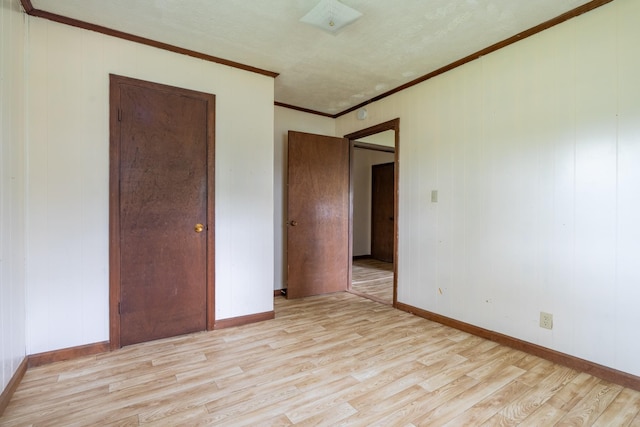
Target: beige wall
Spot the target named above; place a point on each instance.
(386, 138)
(67, 192)
(534, 150)
(285, 120)
(12, 182)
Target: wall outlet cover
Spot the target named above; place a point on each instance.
(546, 320)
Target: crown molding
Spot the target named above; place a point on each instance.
(30, 10)
(587, 7)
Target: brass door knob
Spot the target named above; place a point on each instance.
(198, 228)
(293, 223)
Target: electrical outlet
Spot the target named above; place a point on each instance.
(546, 320)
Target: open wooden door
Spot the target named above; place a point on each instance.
(318, 215)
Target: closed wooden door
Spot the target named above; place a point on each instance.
(382, 177)
(318, 215)
(162, 210)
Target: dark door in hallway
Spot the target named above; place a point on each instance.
(382, 177)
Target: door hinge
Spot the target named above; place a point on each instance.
(119, 115)
(119, 308)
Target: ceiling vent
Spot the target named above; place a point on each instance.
(330, 16)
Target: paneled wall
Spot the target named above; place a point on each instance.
(12, 182)
(534, 150)
(67, 193)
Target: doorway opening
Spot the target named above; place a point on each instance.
(373, 212)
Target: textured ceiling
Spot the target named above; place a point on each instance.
(393, 43)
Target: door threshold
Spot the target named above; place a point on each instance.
(371, 297)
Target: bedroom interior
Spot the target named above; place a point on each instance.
(516, 239)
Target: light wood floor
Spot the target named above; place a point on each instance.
(373, 278)
(331, 360)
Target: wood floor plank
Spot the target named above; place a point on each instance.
(370, 410)
(523, 406)
(589, 409)
(330, 416)
(621, 411)
(545, 415)
(469, 398)
(488, 407)
(447, 375)
(456, 348)
(567, 397)
(310, 395)
(227, 409)
(430, 401)
(327, 401)
(329, 360)
(53, 406)
(537, 370)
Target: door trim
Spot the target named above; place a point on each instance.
(114, 199)
(352, 137)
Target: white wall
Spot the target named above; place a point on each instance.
(286, 119)
(363, 159)
(535, 151)
(386, 138)
(67, 192)
(12, 181)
